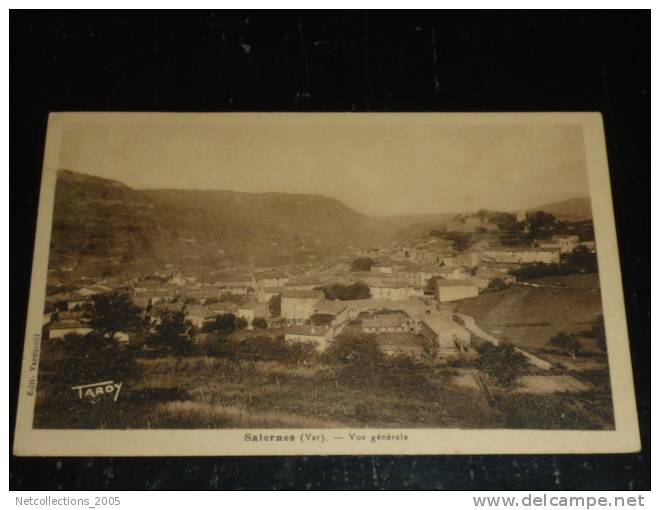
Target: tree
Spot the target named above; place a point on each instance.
(321, 319)
(216, 346)
(275, 305)
(597, 332)
(259, 323)
(356, 349)
(110, 313)
(540, 224)
(262, 348)
(171, 335)
(498, 284)
(537, 270)
(504, 221)
(567, 343)
(581, 260)
(78, 359)
(333, 291)
(225, 324)
(357, 290)
(228, 297)
(362, 264)
(431, 284)
(501, 363)
(461, 241)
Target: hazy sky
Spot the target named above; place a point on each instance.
(388, 169)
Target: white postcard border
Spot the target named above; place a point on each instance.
(625, 437)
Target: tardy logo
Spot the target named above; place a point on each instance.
(99, 389)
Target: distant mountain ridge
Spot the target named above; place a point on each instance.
(573, 209)
(94, 216)
(97, 217)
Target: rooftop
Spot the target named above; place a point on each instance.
(455, 283)
(64, 296)
(154, 293)
(303, 281)
(441, 322)
(66, 315)
(420, 268)
(269, 274)
(200, 311)
(307, 330)
(271, 290)
(520, 249)
(404, 343)
(140, 301)
(67, 324)
(390, 285)
(223, 307)
(488, 272)
(167, 307)
(414, 307)
(330, 306)
(386, 320)
(204, 292)
(302, 294)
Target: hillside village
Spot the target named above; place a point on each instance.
(410, 296)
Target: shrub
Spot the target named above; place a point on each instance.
(266, 348)
(502, 364)
(112, 312)
(78, 360)
(259, 323)
(431, 284)
(260, 348)
(225, 323)
(170, 337)
(321, 319)
(567, 343)
(299, 352)
(355, 349)
(216, 346)
(497, 284)
(597, 332)
(404, 373)
(538, 270)
(362, 264)
(275, 305)
(461, 241)
(357, 290)
(581, 260)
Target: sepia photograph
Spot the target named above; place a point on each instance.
(326, 283)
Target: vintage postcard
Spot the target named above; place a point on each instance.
(318, 284)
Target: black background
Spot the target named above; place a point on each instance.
(355, 62)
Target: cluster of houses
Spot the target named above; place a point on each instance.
(408, 286)
(304, 312)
